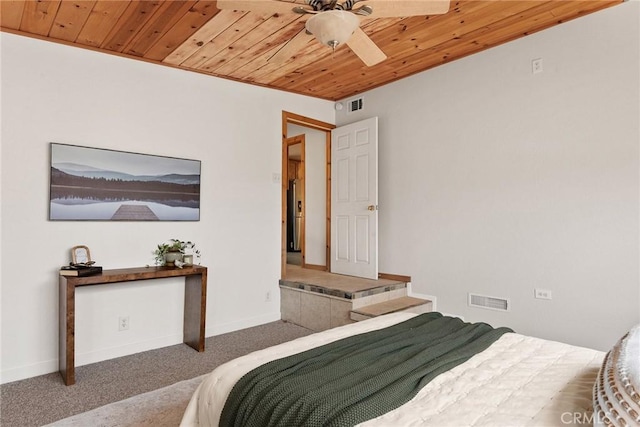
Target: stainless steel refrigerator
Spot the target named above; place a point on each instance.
(294, 215)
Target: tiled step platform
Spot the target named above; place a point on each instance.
(319, 300)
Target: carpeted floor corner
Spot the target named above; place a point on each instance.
(45, 399)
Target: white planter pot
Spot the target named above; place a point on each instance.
(171, 257)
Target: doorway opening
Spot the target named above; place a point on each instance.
(296, 203)
(306, 244)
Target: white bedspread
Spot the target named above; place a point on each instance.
(517, 381)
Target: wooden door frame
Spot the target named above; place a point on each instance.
(292, 118)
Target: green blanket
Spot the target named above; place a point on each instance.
(357, 378)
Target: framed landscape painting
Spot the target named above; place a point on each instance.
(94, 184)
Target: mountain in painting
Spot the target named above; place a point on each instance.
(92, 172)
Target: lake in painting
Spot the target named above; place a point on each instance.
(106, 185)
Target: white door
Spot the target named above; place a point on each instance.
(354, 199)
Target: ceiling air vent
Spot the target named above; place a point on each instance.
(491, 303)
(355, 105)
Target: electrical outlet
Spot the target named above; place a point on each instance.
(123, 323)
(536, 66)
(542, 294)
(267, 296)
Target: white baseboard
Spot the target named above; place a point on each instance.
(431, 298)
(49, 366)
(165, 341)
(125, 350)
(224, 328)
(28, 371)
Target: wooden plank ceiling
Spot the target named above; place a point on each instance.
(194, 35)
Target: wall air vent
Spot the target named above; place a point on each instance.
(355, 105)
(491, 303)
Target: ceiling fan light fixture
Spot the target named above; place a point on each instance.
(333, 27)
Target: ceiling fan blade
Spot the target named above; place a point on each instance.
(365, 48)
(260, 6)
(401, 8)
(291, 48)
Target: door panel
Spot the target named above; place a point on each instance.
(362, 177)
(342, 180)
(342, 238)
(354, 214)
(363, 253)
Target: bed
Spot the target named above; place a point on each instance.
(515, 381)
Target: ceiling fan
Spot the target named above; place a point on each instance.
(334, 23)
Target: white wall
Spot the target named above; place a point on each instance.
(315, 193)
(492, 180)
(55, 93)
(497, 181)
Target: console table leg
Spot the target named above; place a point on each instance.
(67, 331)
(195, 303)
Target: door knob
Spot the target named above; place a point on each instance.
(372, 207)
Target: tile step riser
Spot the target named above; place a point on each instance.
(319, 311)
(378, 298)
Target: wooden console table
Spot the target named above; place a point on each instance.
(195, 305)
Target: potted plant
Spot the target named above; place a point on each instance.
(168, 253)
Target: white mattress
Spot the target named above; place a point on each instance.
(517, 381)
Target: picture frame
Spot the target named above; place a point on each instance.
(98, 184)
(80, 255)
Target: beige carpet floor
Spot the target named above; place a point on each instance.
(148, 388)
